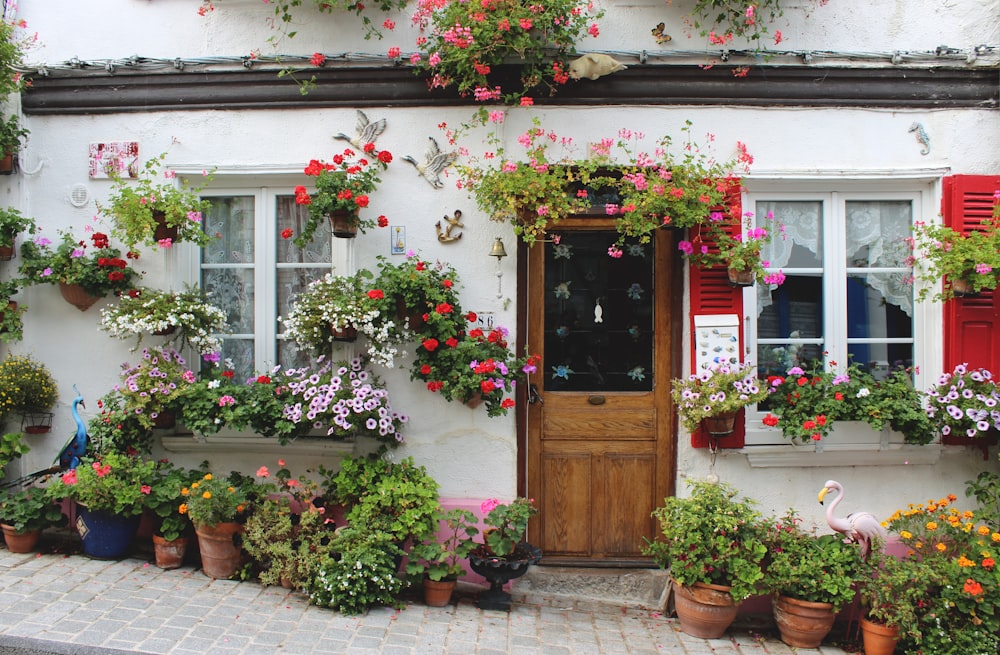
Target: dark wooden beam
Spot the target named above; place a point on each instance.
(91, 92)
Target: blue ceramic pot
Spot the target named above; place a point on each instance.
(106, 535)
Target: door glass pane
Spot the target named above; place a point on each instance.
(598, 315)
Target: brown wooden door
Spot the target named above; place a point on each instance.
(600, 439)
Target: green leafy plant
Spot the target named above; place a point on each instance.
(440, 558)
(154, 384)
(336, 302)
(894, 591)
(740, 251)
(12, 48)
(985, 488)
(941, 253)
(112, 482)
(11, 312)
(342, 185)
(11, 447)
(12, 134)
(137, 207)
(676, 186)
(959, 610)
(964, 403)
(421, 294)
(808, 404)
(26, 385)
(116, 428)
(505, 526)
(719, 389)
(466, 41)
(12, 221)
(363, 573)
(213, 499)
(27, 510)
(164, 499)
(807, 566)
(711, 537)
(144, 310)
(478, 365)
(102, 271)
(723, 21)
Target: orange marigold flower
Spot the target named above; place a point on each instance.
(941, 548)
(983, 530)
(989, 563)
(183, 509)
(208, 476)
(932, 526)
(972, 587)
(965, 562)
(206, 495)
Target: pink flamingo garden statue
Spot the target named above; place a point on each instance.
(860, 527)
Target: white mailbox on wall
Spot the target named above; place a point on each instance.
(716, 340)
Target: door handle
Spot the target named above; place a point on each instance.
(533, 395)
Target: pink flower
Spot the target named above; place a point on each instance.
(226, 400)
(983, 268)
(165, 243)
(145, 489)
(488, 505)
(526, 101)
(615, 252)
(389, 24)
(394, 52)
(434, 59)
(593, 30)
(262, 472)
(281, 462)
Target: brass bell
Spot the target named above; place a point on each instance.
(498, 250)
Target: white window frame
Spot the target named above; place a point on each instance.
(766, 447)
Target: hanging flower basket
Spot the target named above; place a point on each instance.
(347, 333)
(36, 422)
(721, 425)
(77, 296)
(741, 277)
(963, 288)
(344, 223)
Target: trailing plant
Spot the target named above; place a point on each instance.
(807, 404)
(711, 537)
(739, 251)
(27, 510)
(145, 310)
(117, 428)
(137, 207)
(154, 384)
(11, 312)
(465, 42)
(12, 222)
(965, 402)
(719, 389)
(26, 385)
(423, 295)
(724, 21)
(644, 186)
(102, 271)
(12, 134)
(342, 185)
(112, 482)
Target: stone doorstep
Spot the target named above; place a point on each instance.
(593, 589)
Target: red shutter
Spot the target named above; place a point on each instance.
(971, 324)
(711, 294)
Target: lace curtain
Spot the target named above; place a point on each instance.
(874, 239)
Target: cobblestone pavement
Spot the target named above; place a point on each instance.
(73, 604)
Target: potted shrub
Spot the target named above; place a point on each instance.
(713, 543)
(967, 263)
(185, 315)
(29, 389)
(892, 593)
(338, 307)
(535, 189)
(171, 528)
(422, 295)
(466, 42)
(811, 577)
(216, 507)
(715, 395)
(363, 572)
(151, 387)
(963, 403)
(438, 561)
(345, 398)
(148, 211)
(110, 492)
(11, 312)
(477, 367)
(503, 554)
(24, 513)
(342, 189)
(12, 136)
(12, 223)
(83, 278)
(807, 404)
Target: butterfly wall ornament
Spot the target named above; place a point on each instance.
(659, 35)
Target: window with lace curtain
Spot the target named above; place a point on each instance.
(846, 296)
(253, 273)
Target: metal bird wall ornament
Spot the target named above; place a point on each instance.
(365, 131)
(445, 235)
(860, 527)
(594, 65)
(435, 162)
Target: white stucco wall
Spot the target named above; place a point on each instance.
(472, 455)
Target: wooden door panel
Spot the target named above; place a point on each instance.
(565, 502)
(629, 501)
(584, 421)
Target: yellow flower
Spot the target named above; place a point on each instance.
(183, 509)
(905, 534)
(231, 490)
(941, 547)
(983, 530)
(208, 476)
(918, 545)
(194, 485)
(995, 537)
(206, 495)
(932, 526)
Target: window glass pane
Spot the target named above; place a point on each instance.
(875, 233)
(238, 354)
(598, 315)
(801, 244)
(290, 215)
(231, 219)
(881, 359)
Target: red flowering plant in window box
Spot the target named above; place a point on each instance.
(96, 266)
(474, 367)
(344, 184)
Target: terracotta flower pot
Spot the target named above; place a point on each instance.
(741, 278)
(962, 288)
(879, 639)
(720, 425)
(75, 295)
(437, 593)
(704, 610)
(20, 542)
(220, 552)
(169, 554)
(802, 623)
